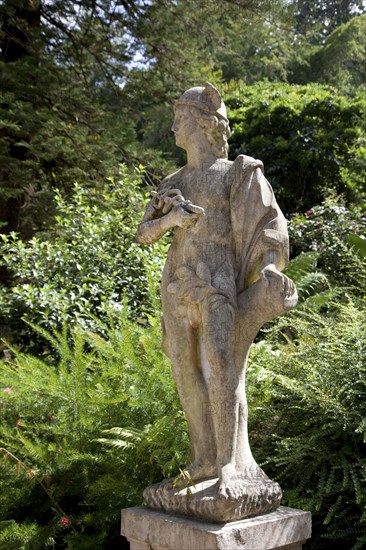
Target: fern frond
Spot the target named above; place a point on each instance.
(301, 265)
(116, 443)
(310, 284)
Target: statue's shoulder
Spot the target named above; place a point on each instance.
(245, 162)
(171, 180)
(242, 171)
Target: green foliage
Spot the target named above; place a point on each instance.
(147, 442)
(59, 482)
(245, 42)
(57, 125)
(330, 230)
(263, 48)
(88, 266)
(307, 381)
(312, 285)
(25, 537)
(309, 138)
(341, 61)
(358, 243)
(57, 141)
(84, 89)
(86, 427)
(307, 398)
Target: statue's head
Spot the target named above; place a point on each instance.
(209, 111)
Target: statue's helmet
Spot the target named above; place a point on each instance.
(206, 99)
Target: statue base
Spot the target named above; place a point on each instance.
(250, 497)
(284, 529)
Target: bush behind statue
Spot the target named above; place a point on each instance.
(311, 139)
(63, 479)
(329, 230)
(85, 267)
(307, 399)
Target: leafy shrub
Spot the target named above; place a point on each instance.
(61, 484)
(310, 138)
(307, 399)
(86, 267)
(326, 230)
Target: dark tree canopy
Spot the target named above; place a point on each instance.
(87, 85)
(71, 106)
(323, 16)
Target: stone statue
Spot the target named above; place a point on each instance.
(222, 281)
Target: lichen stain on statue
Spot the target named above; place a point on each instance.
(221, 282)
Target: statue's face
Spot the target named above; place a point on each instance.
(185, 128)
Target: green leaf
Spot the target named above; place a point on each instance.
(358, 243)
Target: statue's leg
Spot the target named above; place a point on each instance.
(246, 328)
(183, 350)
(243, 454)
(218, 317)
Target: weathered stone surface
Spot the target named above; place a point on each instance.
(254, 494)
(221, 282)
(284, 529)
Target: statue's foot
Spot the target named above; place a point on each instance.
(242, 491)
(228, 482)
(200, 469)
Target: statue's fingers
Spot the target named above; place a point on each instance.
(195, 209)
(160, 203)
(160, 195)
(174, 192)
(274, 274)
(290, 287)
(169, 193)
(167, 205)
(177, 200)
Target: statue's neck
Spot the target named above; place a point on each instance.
(199, 155)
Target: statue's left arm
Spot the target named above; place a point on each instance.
(260, 239)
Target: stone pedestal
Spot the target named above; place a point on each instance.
(284, 529)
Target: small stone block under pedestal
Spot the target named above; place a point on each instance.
(284, 529)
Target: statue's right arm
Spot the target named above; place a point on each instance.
(166, 210)
(152, 228)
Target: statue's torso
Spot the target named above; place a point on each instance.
(209, 240)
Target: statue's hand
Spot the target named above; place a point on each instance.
(185, 214)
(166, 200)
(271, 274)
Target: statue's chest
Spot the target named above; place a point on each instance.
(208, 190)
